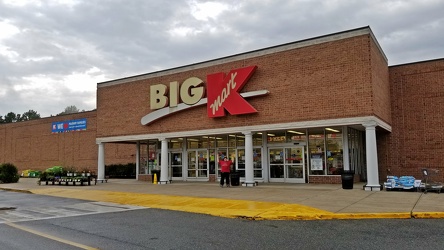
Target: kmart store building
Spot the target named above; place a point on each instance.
(300, 112)
(290, 113)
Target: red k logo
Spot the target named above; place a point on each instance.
(223, 92)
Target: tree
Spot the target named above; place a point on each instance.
(70, 110)
(13, 117)
(30, 115)
(10, 117)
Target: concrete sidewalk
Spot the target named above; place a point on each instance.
(268, 201)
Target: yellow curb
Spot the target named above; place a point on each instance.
(428, 215)
(342, 216)
(16, 190)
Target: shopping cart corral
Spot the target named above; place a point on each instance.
(431, 181)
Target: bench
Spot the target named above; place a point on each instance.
(68, 180)
(104, 180)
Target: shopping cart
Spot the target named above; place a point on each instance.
(430, 180)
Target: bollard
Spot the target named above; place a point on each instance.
(155, 178)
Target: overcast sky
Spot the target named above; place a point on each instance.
(54, 52)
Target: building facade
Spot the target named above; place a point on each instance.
(300, 112)
(282, 114)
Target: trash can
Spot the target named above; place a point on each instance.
(347, 177)
(235, 178)
(157, 172)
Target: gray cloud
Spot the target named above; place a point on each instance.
(105, 40)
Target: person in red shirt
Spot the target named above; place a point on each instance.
(225, 168)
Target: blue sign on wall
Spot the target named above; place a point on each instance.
(67, 126)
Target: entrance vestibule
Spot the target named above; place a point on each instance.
(197, 167)
(287, 164)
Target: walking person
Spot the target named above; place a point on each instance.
(225, 168)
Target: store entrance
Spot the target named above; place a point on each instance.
(197, 164)
(176, 163)
(287, 164)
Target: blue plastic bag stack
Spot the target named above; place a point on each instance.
(403, 182)
(392, 182)
(407, 182)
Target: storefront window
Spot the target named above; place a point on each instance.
(213, 159)
(325, 151)
(240, 140)
(316, 149)
(231, 141)
(193, 143)
(257, 162)
(241, 162)
(334, 151)
(149, 156)
(212, 141)
(176, 143)
(296, 136)
(222, 141)
(143, 161)
(257, 139)
(153, 159)
(204, 142)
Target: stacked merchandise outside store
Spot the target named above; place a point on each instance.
(401, 183)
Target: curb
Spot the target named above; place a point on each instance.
(16, 190)
(428, 215)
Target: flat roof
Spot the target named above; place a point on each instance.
(251, 54)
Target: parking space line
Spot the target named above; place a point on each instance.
(68, 242)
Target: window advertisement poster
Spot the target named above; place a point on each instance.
(316, 162)
(68, 126)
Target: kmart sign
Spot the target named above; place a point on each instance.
(222, 91)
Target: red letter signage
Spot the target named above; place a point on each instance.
(223, 92)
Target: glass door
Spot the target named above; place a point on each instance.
(176, 162)
(240, 166)
(276, 156)
(287, 164)
(294, 164)
(198, 164)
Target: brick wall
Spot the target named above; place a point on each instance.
(31, 145)
(417, 138)
(333, 179)
(380, 84)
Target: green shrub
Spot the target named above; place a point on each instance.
(124, 171)
(56, 171)
(8, 173)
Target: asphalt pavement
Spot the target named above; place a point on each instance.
(267, 201)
